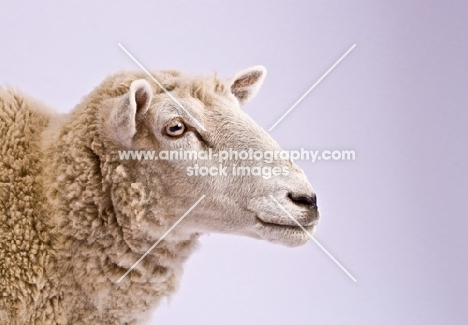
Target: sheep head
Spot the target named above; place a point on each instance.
(196, 114)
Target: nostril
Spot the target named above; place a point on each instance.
(308, 200)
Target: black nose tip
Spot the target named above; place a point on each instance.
(306, 200)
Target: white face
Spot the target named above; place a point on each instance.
(236, 204)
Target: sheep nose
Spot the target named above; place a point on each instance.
(305, 200)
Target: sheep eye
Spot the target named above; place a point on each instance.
(175, 128)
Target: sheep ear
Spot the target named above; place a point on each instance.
(140, 96)
(131, 109)
(246, 83)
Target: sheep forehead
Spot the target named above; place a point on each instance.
(199, 95)
(205, 89)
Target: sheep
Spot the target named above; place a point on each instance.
(75, 216)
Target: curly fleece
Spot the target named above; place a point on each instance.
(68, 210)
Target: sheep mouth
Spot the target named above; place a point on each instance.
(285, 226)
